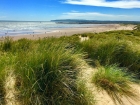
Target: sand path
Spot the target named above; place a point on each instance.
(10, 91)
(101, 97)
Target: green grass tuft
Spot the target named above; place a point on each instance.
(7, 44)
(115, 82)
(48, 74)
(85, 96)
(113, 48)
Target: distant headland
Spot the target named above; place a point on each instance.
(79, 21)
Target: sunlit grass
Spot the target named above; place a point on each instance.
(6, 60)
(116, 47)
(115, 82)
(6, 45)
(46, 70)
(48, 74)
(85, 96)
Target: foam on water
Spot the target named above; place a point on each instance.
(21, 28)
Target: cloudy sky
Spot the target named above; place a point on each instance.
(45, 10)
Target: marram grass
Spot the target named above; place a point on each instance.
(46, 70)
(115, 82)
(114, 48)
(48, 74)
(85, 96)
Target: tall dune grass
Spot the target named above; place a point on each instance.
(114, 48)
(85, 96)
(6, 60)
(48, 73)
(115, 82)
(46, 70)
(6, 44)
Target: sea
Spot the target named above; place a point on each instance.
(14, 28)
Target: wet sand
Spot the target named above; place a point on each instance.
(72, 31)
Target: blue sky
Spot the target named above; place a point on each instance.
(45, 10)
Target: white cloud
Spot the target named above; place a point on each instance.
(97, 16)
(74, 11)
(115, 4)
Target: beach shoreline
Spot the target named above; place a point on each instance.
(72, 31)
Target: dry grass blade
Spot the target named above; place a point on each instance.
(115, 82)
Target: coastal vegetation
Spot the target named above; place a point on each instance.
(115, 82)
(47, 71)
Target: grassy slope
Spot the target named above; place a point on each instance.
(116, 47)
(47, 70)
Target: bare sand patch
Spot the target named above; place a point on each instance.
(10, 90)
(101, 97)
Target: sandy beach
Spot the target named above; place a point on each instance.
(72, 31)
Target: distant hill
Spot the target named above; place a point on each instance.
(78, 21)
(20, 21)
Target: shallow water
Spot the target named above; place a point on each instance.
(18, 28)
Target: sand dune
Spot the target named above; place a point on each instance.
(101, 97)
